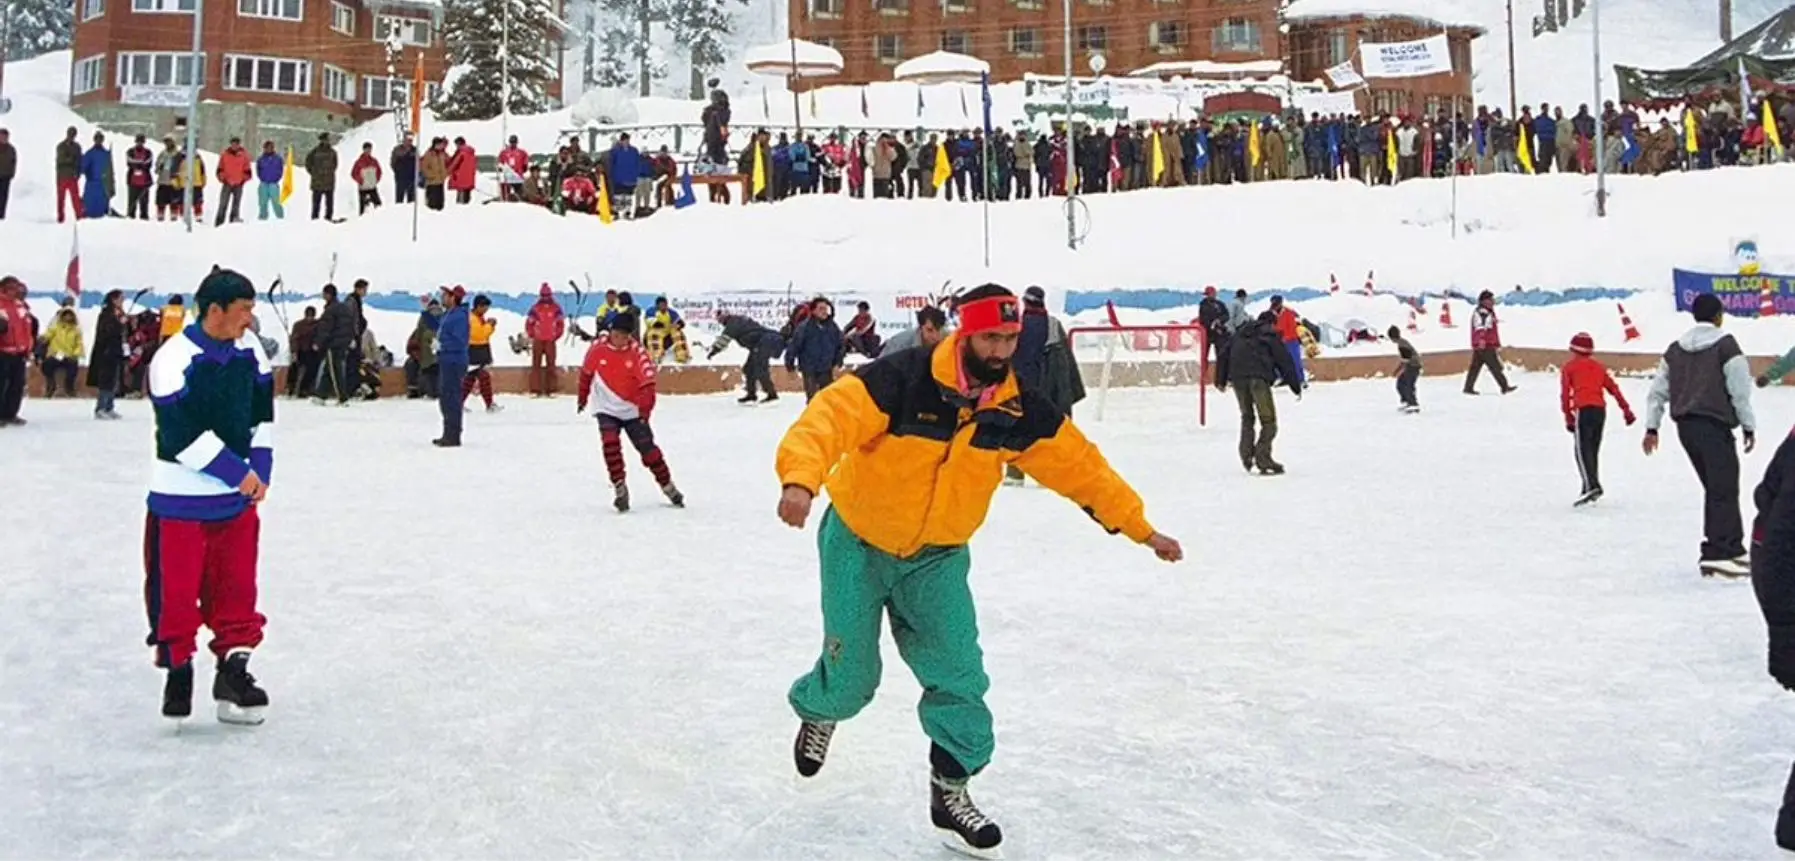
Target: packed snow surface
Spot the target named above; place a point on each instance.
(1410, 646)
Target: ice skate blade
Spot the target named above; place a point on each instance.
(236, 715)
(952, 840)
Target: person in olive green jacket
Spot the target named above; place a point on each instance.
(321, 163)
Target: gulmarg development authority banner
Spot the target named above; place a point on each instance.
(1741, 295)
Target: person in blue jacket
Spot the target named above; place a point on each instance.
(626, 169)
(817, 349)
(96, 174)
(803, 165)
(451, 330)
(270, 169)
(1545, 136)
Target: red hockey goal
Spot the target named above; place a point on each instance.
(1170, 354)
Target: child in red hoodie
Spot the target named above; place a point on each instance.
(1582, 386)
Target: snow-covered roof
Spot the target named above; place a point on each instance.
(1446, 13)
(939, 67)
(1210, 69)
(813, 60)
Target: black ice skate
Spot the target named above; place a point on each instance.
(240, 701)
(771, 397)
(746, 399)
(1271, 467)
(620, 496)
(177, 692)
(674, 497)
(812, 747)
(1731, 569)
(1588, 497)
(964, 828)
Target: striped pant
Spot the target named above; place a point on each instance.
(610, 432)
(477, 376)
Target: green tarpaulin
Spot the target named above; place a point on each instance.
(1662, 87)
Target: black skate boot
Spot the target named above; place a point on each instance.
(747, 398)
(674, 497)
(812, 747)
(620, 496)
(771, 397)
(964, 828)
(1588, 497)
(240, 701)
(177, 692)
(1270, 467)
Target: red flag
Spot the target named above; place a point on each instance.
(71, 279)
(417, 95)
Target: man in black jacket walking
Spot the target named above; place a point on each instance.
(334, 336)
(1255, 361)
(1773, 579)
(1705, 382)
(762, 345)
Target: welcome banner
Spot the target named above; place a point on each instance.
(1741, 295)
(1430, 56)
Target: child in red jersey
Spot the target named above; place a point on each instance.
(1583, 385)
(618, 378)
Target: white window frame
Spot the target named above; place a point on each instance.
(827, 9)
(337, 13)
(1339, 47)
(302, 75)
(1084, 33)
(88, 75)
(1035, 49)
(91, 9)
(383, 26)
(127, 59)
(892, 8)
(162, 7)
(962, 46)
(1224, 43)
(272, 10)
(392, 86)
(337, 85)
(895, 55)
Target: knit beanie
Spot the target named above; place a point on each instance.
(1582, 344)
(221, 288)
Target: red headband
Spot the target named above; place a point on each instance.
(992, 314)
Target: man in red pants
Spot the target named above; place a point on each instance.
(213, 391)
(68, 175)
(624, 393)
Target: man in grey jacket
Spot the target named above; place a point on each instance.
(1705, 382)
(931, 326)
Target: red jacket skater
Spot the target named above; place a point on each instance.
(1585, 382)
(618, 381)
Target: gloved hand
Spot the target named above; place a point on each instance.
(1571, 425)
(1630, 418)
(580, 408)
(1763, 381)
(1782, 655)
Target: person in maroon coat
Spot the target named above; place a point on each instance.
(1486, 345)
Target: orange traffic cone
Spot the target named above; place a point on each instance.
(1766, 300)
(1414, 324)
(1370, 289)
(1446, 315)
(1333, 283)
(1630, 331)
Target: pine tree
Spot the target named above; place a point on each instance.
(37, 26)
(474, 31)
(627, 42)
(703, 28)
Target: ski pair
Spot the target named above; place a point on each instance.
(620, 496)
(963, 827)
(240, 700)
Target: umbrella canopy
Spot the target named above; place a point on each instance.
(941, 67)
(813, 60)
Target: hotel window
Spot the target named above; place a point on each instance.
(339, 86)
(342, 19)
(284, 10)
(411, 30)
(1025, 42)
(1237, 36)
(89, 75)
(267, 75)
(156, 70)
(889, 47)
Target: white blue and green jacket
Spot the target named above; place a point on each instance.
(214, 404)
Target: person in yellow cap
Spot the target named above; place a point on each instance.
(912, 448)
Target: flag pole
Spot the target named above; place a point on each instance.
(1595, 27)
(985, 165)
(417, 155)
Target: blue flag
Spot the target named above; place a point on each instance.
(1481, 142)
(1202, 159)
(685, 197)
(1334, 144)
(1631, 153)
(985, 96)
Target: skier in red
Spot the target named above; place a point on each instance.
(1583, 387)
(622, 401)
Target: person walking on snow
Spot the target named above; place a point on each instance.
(213, 391)
(479, 354)
(1255, 362)
(908, 449)
(1704, 382)
(544, 326)
(1486, 345)
(1408, 370)
(452, 328)
(1583, 386)
(619, 378)
(817, 349)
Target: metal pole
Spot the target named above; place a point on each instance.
(1595, 26)
(199, 78)
(1071, 143)
(986, 169)
(5, 39)
(1513, 109)
(792, 82)
(417, 154)
(505, 82)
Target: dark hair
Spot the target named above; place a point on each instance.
(330, 291)
(1707, 308)
(1395, 333)
(983, 291)
(931, 315)
(176, 299)
(361, 282)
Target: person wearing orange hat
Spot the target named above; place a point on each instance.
(912, 448)
(1584, 385)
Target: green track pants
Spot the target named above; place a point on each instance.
(933, 622)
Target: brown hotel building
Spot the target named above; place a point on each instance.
(1019, 37)
(281, 70)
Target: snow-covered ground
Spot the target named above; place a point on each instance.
(1408, 648)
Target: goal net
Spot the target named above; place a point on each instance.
(1173, 355)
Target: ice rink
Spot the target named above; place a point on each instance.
(1409, 647)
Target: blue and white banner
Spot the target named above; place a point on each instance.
(1741, 295)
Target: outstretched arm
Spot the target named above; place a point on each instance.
(1070, 465)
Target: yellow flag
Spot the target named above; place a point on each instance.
(286, 179)
(1253, 154)
(1523, 152)
(1390, 162)
(1691, 142)
(604, 200)
(760, 168)
(1159, 158)
(944, 167)
(1771, 132)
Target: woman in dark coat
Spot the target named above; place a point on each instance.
(106, 364)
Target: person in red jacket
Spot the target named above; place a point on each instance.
(366, 174)
(461, 171)
(233, 172)
(544, 326)
(513, 164)
(16, 339)
(1583, 387)
(1288, 325)
(623, 398)
(1486, 345)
